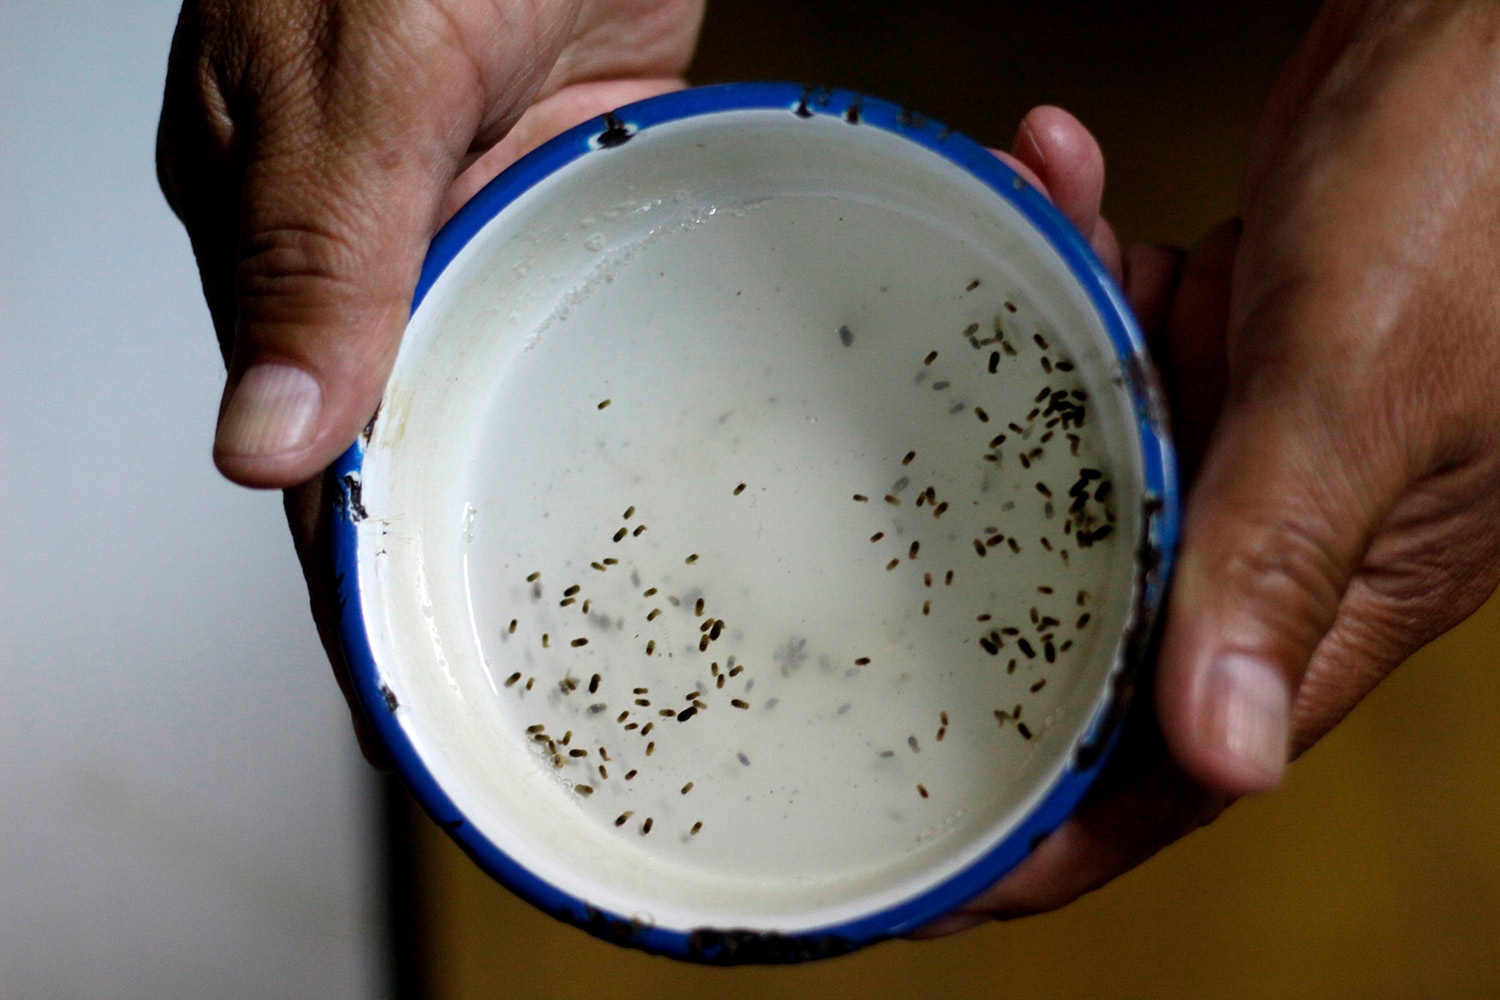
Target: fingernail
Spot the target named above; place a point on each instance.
(274, 409)
(1028, 137)
(1247, 713)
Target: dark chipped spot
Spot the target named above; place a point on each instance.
(369, 430)
(386, 693)
(353, 498)
(616, 132)
(713, 946)
(819, 96)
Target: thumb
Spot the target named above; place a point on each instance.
(1277, 525)
(331, 240)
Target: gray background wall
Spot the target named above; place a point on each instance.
(182, 808)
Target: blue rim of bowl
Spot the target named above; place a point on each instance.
(1159, 531)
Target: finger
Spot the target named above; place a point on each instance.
(308, 516)
(330, 243)
(1277, 524)
(1149, 276)
(1191, 347)
(1143, 802)
(1067, 159)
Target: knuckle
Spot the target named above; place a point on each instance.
(1282, 571)
(290, 270)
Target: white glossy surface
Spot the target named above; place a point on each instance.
(768, 326)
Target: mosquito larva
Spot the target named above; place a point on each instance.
(931, 357)
(637, 532)
(1038, 685)
(684, 715)
(687, 788)
(580, 641)
(892, 564)
(651, 615)
(979, 546)
(696, 827)
(530, 681)
(584, 790)
(624, 817)
(594, 684)
(603, 754)
(513, 678)
(650, 748)
(911, 741)
(651, 647)
(538, 728)
(533, 578)
(877, 536)
(641, 690)
(909, 456)
(735, 671)
(603, 772)
(893, 501)
(861, 498)
(739, 489)
(567, 601)
(598, 565)
(698, 607)
(979, 412)
(922, 791)
(738, 703)
(646, 729)
(940, 508)
(512, 628)
(649, 593)
(631, 774)
(911, 553)
(604, 402)
(611, 561)
(691, 559)
(621, 534)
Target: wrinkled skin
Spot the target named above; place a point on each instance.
(1330, 359)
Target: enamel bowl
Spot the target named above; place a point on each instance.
(768, 508)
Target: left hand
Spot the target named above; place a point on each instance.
(1344, 347)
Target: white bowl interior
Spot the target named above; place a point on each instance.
(755, 296)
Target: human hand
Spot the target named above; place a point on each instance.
(312, 148)
(1344, 349)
